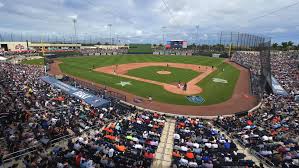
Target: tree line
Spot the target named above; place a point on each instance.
(284, 46)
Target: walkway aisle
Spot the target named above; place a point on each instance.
(163, 155)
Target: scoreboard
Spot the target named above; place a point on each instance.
(176, 44)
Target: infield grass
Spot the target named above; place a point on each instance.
(177, 74)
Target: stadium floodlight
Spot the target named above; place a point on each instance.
(75, 21)
(197, 35)
(110, 25)
(163, 34)
(11, 37)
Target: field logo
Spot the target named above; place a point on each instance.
(218, 80)
(196, 99)
(122, 83)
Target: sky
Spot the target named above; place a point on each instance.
(145, 21)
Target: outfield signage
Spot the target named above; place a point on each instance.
(90, 99)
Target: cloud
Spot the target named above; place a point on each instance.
(145, 18)
(139, 32)
(278, 30)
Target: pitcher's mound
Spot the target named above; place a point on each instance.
(163, 72)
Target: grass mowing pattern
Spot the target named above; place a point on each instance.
(219, 92)
(213, 92)
(177, 74)
(39, 61)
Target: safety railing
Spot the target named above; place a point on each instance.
(21, 153)
(263, 159)
(97, 88)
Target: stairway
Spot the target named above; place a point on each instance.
(163, 154)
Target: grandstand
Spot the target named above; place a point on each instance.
(84, 100)
(33, 122)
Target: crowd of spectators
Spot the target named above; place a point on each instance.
(129, 142)
(36, 113)
(199, 144)
(284, 66)
(118, 136)
(250, 60)
(100, 51)
(27, 53)
(272, 130)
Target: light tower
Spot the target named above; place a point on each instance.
(163, 38)
(110, 25)
(75, 21)
(197, 35)
(163, 34)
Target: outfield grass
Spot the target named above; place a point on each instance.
(140, 48)
(39, 61)
(177, 74)
(213, 92)
(219, 92)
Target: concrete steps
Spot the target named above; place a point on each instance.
(163, 155)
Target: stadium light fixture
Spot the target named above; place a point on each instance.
(110, 25)
(197, 35)
(75, 21)
(163, 34)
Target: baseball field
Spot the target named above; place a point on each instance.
(209, 80)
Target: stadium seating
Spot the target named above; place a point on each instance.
(35, 115)
(272, 130)
(198, 143)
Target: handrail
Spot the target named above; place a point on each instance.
(53, 141)
(8, 156)
(66, 137)
(266, 161)
(96, 88)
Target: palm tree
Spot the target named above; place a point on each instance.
(275, 46)
(284, 45)
(290, 45)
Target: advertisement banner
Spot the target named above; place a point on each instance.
(88, 98)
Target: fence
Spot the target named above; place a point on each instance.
(252, 52)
